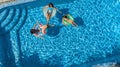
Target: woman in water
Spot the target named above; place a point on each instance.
(67, 19)
(39, 30)
(50, 11)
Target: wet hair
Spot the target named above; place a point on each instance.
(32, 31)
(48, 25)
(51, 4)
(65, 16)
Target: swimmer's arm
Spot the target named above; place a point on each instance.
(38, 36)
(45, 7)
(58, 10)
(34, 26)
(63, 22)
(50, 25)
(35, 35)
(68, 14)
(37, 23)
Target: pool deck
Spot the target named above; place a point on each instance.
(7, 3)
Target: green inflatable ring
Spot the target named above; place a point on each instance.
(69, 17)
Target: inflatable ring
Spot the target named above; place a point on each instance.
(45, 9)
(69, 17)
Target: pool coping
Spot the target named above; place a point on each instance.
(13, 3)
(3, 2)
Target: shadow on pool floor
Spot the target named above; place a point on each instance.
(79, 21)
(54, 31)
(59, 15)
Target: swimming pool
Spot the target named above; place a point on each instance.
(96, 38)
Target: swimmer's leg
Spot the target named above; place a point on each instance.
(74, 24)
(50, 25)
(41, 37)
(48, 17)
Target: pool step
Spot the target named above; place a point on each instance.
(12, 22)
(14, 26)
(18, 36)
(18, 18)
(15, 21)
(3, 15)
(7, 20)
(22, 19)
(15, 38)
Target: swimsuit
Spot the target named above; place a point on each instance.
(50, 10)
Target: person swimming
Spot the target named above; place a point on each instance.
(67, 20)
(50, 11)
(39, 30)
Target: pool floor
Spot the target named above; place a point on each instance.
(97, 36)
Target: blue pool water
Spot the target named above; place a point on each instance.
(95, 40)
